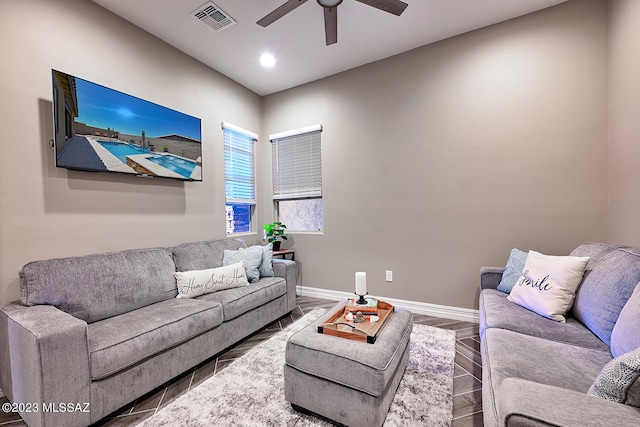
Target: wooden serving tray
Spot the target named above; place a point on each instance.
(338, 326)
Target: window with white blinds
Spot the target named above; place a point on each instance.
(297, 178)
(297, 164)
(239, 175)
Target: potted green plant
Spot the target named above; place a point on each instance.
(273, 232)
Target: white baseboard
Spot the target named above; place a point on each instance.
(448, 312)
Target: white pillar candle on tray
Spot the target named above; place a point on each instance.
(361, 283)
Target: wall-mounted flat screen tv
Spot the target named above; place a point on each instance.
(103, 130)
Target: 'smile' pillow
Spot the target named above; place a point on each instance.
(252, 258)
(199, 282)
(548, 284)
(513, 270)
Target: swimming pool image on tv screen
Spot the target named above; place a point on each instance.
(122, 156)
(99, 129)
(121, 151)
(176, 164)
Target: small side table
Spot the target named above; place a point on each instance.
(284, 252)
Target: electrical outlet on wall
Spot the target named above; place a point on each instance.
(389, 276)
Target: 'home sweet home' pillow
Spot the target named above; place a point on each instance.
(548, 284)
(199, 282)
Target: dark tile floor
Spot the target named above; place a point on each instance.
(467, 385)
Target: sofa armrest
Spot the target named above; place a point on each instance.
(526, 403)
(490, 277)
(288, 270)
(44, 359)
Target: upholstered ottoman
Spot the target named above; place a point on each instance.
(347, 381)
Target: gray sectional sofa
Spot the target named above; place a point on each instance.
(540, 372)
(101, 330)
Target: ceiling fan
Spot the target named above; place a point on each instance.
(395, 7)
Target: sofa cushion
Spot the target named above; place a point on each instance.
(203, 255)
(495, 311)
(199, 282)
(618, 381)
(252, 258)
(507, 354)
(238, 301)
(120, 342)
(626, 333)
(548, 284)
(610, 278)
(95, 287)
(513, 270)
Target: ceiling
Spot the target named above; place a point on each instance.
(365, 34)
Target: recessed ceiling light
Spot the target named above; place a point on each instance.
(267, 60)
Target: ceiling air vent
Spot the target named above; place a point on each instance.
(215, 18)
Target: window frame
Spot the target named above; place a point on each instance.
(288, 186)
(228, 131)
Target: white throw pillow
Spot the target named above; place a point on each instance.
(548, 284)
(198, 282)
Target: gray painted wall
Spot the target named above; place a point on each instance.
(440, 160)
(624, 125)
(49, 212)
(436, 162)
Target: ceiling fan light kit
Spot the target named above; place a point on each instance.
(395, 7)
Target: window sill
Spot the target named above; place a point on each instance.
(246, 233)
(305, 232)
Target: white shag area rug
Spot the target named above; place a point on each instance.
(250, 391)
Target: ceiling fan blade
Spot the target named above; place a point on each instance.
(280, 12)
(392, 6)
(331, 25)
